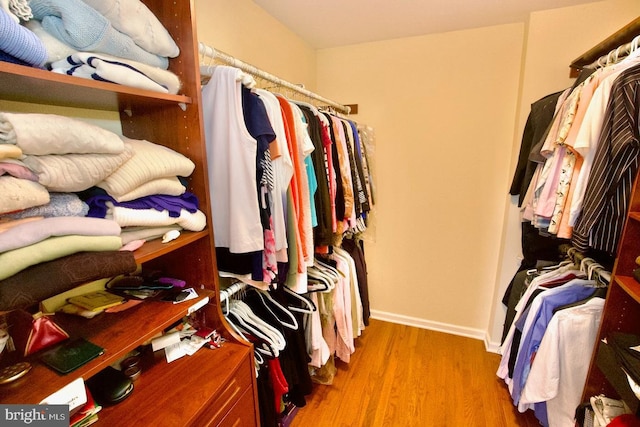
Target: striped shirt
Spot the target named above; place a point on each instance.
(614, 169)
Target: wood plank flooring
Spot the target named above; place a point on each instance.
(407, 376)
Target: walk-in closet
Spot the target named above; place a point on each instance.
(278, 213)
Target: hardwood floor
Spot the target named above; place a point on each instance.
(407, 376)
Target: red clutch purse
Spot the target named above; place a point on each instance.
(33, 332)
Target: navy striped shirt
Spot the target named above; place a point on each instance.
(614, 168)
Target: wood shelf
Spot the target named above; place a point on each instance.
(630, 286)
(117, 333)
(26, 84)
(212, 386)
(155, 248)
(624, 35)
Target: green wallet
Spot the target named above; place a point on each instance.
(71, 355)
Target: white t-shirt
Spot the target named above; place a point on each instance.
(231, 159)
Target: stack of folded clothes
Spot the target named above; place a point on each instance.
(117, 41)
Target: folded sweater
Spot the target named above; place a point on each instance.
(134, 19)
(82, 27)
(20, 43)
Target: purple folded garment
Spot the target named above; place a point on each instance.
(159, 202)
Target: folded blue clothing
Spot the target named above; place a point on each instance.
(20, 43)
(5, 57)
(83, 28)
(60, 204)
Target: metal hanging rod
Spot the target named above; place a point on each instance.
(210, 52)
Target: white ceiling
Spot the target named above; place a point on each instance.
(331, 23)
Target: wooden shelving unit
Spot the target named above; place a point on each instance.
(212, 387)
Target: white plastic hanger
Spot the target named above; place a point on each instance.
(310, 306)
(269, 302)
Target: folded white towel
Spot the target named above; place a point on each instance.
(134, 19)
(40, 134)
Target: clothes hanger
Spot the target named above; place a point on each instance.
(259, 326)
(319, 280)
(317, 285)
(270, 303)
(253, 331)
(325, 266)
(276, 338)
(309, 306)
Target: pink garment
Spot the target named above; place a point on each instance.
(342, 312)
(547, 199)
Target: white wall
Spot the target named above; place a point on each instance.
(443, 107)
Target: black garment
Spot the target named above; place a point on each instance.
(339, 203)
(266, 397)
(516, 289)
(355, 249)
(535, 129)
(294, 359)
(322, 233)
(357, 179)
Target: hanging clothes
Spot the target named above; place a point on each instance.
(586, 161)
(303, 188)
(231, 156)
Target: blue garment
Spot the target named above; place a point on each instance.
(20, 43)
(80, 26)
(313, 187)
(573, 291)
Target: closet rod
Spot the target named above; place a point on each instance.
(233, 289)
(624, 35)
(588, 264)
(210, 52)
(615, 54)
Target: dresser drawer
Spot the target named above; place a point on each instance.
(242, 414)
(239, 385)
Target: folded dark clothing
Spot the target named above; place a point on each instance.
(5, 57)
(629, 359)
(47, 279)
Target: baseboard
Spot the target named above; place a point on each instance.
(491, 347)
(438, 326)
